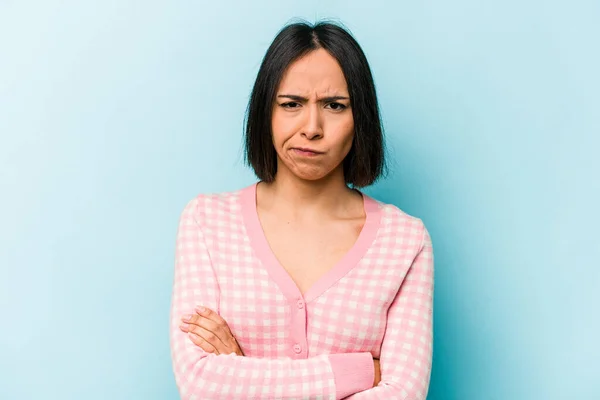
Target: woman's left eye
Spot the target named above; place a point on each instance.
(336, 106)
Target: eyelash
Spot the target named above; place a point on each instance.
(341, 106)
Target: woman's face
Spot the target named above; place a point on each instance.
(312, 121)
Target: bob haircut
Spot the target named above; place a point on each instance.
(365, 162)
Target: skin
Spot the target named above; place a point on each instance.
(208, 330)
(312, 110)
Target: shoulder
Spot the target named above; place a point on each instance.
(398, 226)
(214, 205)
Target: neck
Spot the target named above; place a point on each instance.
(300, 198)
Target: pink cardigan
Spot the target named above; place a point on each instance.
(377, 301)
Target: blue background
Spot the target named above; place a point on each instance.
(114, 114)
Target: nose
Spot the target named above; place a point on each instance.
(313, 128)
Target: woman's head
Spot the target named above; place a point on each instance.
(314, 90)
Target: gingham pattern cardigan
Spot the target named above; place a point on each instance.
(376, 302)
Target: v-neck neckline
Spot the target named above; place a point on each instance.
(279, 274)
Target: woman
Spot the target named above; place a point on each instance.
(299, 287)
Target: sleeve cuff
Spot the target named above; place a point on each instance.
(352, 372)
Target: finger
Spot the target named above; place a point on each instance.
(216, 323)
(225, 342)
(209, 331)
(207, 335)
(211, 315)
(202, 343)
(209, 325)
(198, 318)
(209, 342)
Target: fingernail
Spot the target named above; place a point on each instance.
(184, 326)
(200, 309)
(187, 317)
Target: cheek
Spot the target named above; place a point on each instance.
(280, 127)
(346, 135)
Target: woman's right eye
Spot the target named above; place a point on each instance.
(290, 104)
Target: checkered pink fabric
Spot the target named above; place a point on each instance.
(376, 302)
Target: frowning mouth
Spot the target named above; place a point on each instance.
(305, 151)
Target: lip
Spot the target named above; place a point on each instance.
(305, 151)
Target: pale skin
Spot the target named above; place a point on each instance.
(309, 201)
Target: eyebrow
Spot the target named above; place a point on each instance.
(304, 99)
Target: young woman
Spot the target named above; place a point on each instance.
(300, 286)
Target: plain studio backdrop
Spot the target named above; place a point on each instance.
(114, 114)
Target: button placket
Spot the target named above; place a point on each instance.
(299, 340)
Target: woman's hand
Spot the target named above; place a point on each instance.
(209, 331)
(377, 372)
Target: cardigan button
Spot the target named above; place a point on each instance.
(300, 304)
(297, 348)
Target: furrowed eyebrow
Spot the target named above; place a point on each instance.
(304, 99)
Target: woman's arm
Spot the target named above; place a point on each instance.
(407, 348)
(202, 375)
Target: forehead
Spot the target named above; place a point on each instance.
(316, 72)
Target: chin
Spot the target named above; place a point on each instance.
(310, 176)
(310, 173)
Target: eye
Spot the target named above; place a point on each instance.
(290, 104)
(336, 106)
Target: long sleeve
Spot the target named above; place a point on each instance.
(407, 348)
(202, 375)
